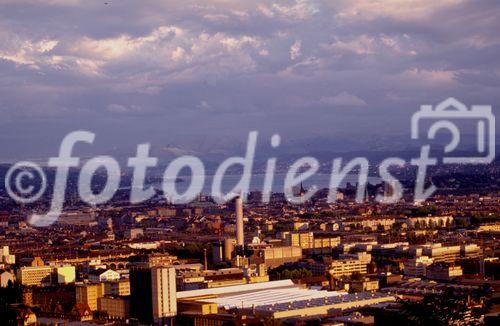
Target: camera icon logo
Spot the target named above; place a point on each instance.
(445, 115)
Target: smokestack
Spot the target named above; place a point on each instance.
(239, 221)
(228, 249)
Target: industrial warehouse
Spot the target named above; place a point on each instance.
(277, 299)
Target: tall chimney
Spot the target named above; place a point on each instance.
(239, 222)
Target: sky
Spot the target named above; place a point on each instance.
(197, 76)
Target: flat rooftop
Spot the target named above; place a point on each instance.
(236, 289)
(331, 300)
(272, 297)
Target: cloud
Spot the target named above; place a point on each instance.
(295, 50)
(396, 9)
(45, 2)
(28, 52)
(343, 99)
(361, 45)
(223, 66)
(178, 54)
(131, 109)
(204, 105)
(301, 9)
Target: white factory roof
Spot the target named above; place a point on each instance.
(236, 289)
(356, 300)
(271, 297)
(258, 294)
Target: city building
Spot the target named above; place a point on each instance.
(471, 251)
(117, 288)
(280, 300)
(417, 266)
(443, 272)
(346, 267)
(440, 253)
(190, 280)
(7, 258)
(35, 276)
(79, 218)
(323, 306)
(37, 261)
(134, 233)
(153, 295)
(303, 240)
(275, 256)
(101, 275)
(364, 285)
(311, 243)
(88, 294)
(115, 307)
(164, 294)
(6, 278)
(65, 274)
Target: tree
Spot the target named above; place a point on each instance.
(447, 308)
(271, 321)
(397, 227)
(283, 273)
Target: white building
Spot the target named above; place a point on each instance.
(65, 274)
(7, 258)
(283, 299)
(163, 282)
(5, 277)
(441, 253)
(35, 275)
(103, 275)
(134, 233)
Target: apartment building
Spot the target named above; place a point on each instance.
(346, 267)
(89, 294)
(35, 275)
(417, 266)
(309, 242)
(117, 288)
(443, 272)
(65, 274)
(115, 307)
(440, 253)
(275, 256)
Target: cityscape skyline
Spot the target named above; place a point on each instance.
(249, 163)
